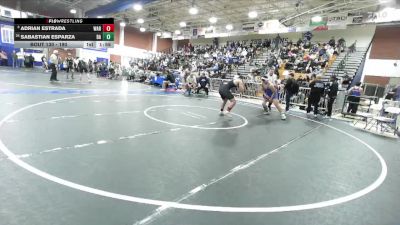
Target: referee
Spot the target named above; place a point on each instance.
(53, 63)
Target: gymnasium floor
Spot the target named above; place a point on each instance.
(117, 153)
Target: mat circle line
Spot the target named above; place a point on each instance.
(170, 204)
(193, 126)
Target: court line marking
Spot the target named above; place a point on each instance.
(193, 126)
(198, 115)
(160, 210)
(75, 116)
(187, 114)
(72, 88)
(39, 86)
(99, 142)
(12, 157)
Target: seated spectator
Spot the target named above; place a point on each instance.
(190, 84)
(203, 83)
(341, 44)
(169, 79)
(352, 47)
(3, 58)
(397, 93)
(332, 42)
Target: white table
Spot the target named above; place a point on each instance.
(393, 110)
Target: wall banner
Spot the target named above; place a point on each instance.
(337, 20)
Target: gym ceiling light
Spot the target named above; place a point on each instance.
(193, 10)
(182, 24)
(137, 7)
(253, 14)
(316, 19)
(213, 19)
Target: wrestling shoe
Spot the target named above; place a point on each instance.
(228, 114)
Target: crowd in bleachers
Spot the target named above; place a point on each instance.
(278, 54)
(219, 61)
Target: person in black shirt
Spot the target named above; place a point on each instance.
(90, 66)
(83, 68)
(31, 60)
(332, 42)
(333, 89)
(291, 88)
(317, 90)
(226, 94)
(169, 79)
(203, 83)
(70, 66)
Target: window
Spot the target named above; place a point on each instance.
(7, 35)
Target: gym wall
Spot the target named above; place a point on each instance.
(382, 56)
(163, 44)
(363, 34)
(142, 40)
(135, 38)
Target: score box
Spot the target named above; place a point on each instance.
(108, 27)
(108, 36)
(104, 44)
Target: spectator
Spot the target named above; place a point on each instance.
(353, 98)
(31, 60)
(341, 44)
(353, 47)
(44, 63)
(332, 42)
(291, 88)
(397, 95)
(317, 89)
(4, 58)
(14, 59)
(69, 66)
(391, 95)
(83, 68)
(330, 51)
(308, 35)
(333, 89)
(277, 41)
(203, 83)
(169, 79)
(90, 66)
(190, 83)
(59, 63)
(21, 58)
(26, 61)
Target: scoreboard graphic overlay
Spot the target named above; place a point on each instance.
(64, 33)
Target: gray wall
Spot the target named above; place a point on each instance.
(362, 33)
